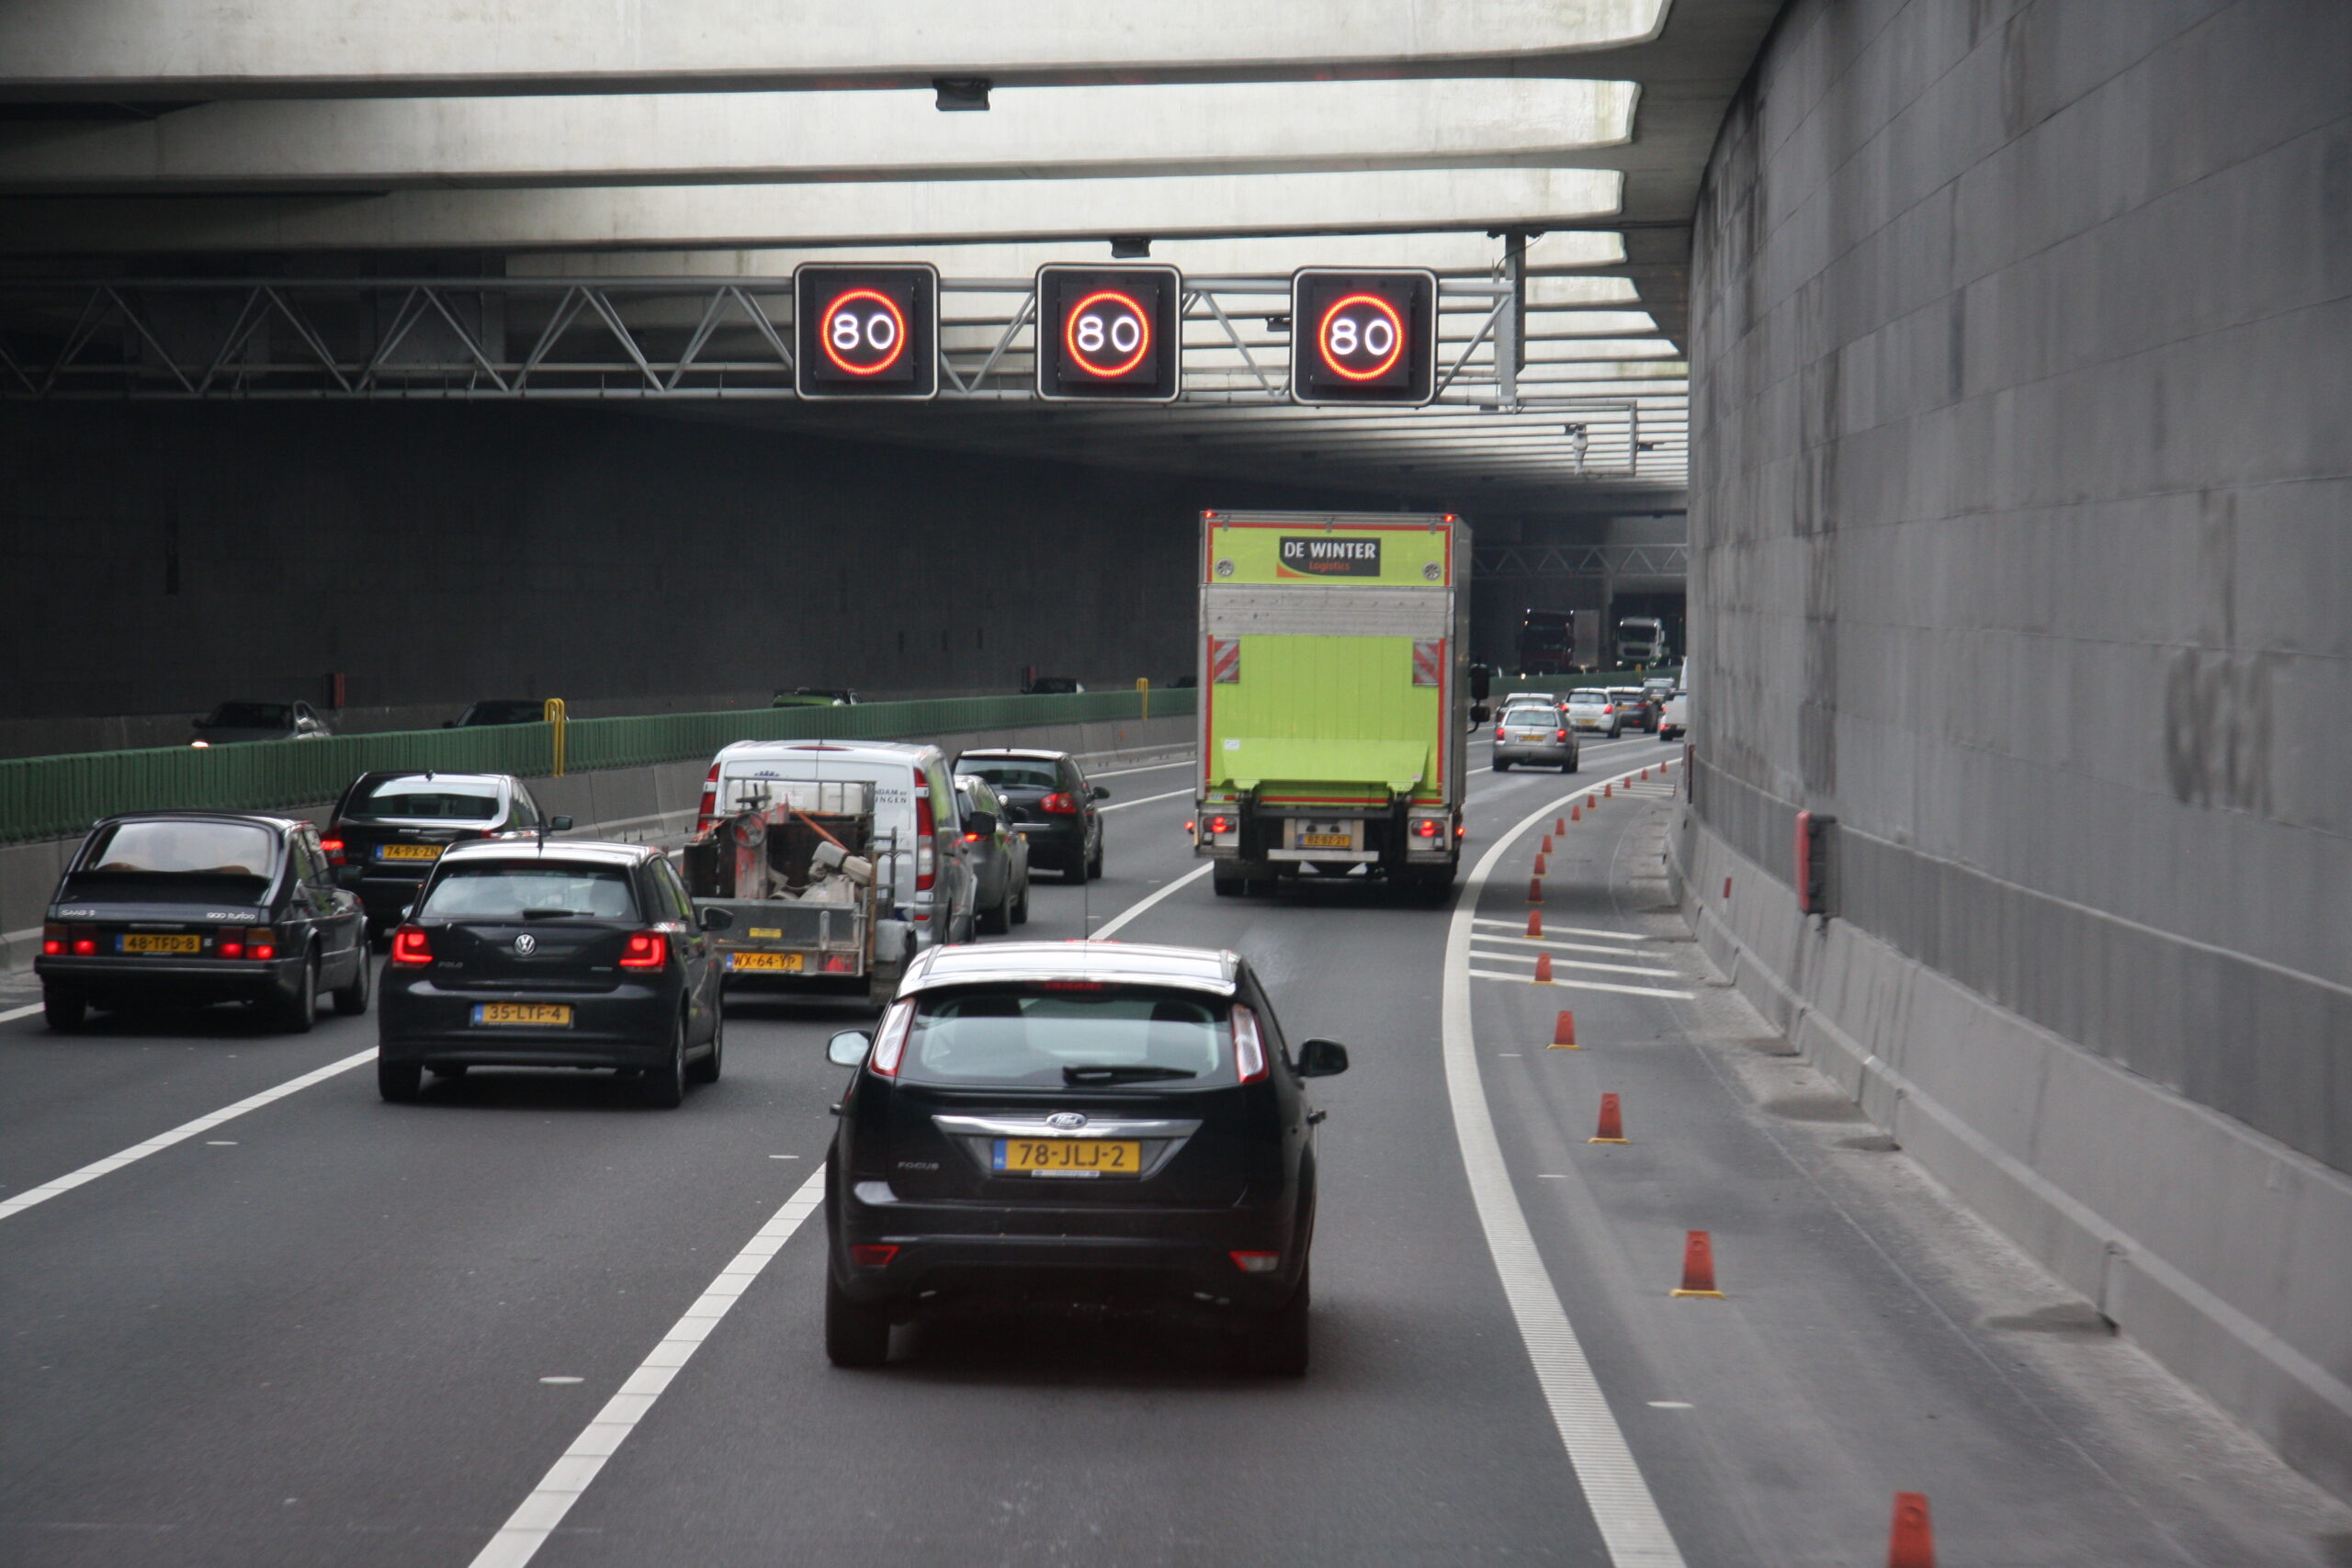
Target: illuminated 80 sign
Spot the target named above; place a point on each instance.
(1362, 337)
(865, 332)
(1110, 332)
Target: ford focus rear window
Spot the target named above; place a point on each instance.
(1066, 1036)
(184, 848)
(533, 890)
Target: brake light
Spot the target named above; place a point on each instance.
(1256, 1262)
(1059, 804)
(85, 947)
(1072, 985)
(1498, 732)
(890, 1041)
(1608, 708)
(1559, 735)
(411, 945)
(261, 944)
(972, 838)
(708, 812)
(646, 949)
(1249, 1047)
(52, 940)
(1425, 828)
(1220, 824)
(926, 826)
(333, 848)
(873, 1255)
(231, 948)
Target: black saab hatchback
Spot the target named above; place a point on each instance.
(1091, 1125)
(389, 829)
(526, 954)
(197, 907)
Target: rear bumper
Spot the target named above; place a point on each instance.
(1058, 845)
(629, 1026)
(1557, 755)
(956, 1257)
(163, 979)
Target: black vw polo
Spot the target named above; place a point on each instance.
(390, 828)
(526, 953)
(1059, 1124)
(195, 906)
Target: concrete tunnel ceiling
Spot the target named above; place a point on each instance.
(316, 139)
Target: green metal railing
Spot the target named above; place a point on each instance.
(54, 797)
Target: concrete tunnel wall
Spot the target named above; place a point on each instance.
(162, 558)
(2021, 347)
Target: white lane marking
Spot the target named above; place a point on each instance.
(563, 1379)
(1132, 910)
(1564, 983)
(1632, 1529)
(527, 1529)
(1144, 800)
(15, 1013)
(1147, 768)
(1577, 963)
(180, 1134)
(1565, 931)
(1670, 1404)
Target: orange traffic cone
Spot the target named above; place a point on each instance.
(1535, 890)
(1542, 969)
(1539, 865)
(1558, 826)
(1613, 1124)
(1913, 1543)
(1698, 1266)
(1564, 1032)
(1546, 847)
(1608, 789)
(1726, 886)
(1575, 813)
(1645, 774)
(1535, 922)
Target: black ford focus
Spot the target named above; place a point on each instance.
(525, 953)
(190, 908)
(1075, 1124)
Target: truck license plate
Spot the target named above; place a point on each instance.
(789, 963)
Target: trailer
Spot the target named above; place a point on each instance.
(1335, 698)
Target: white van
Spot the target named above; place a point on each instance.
(921, 856)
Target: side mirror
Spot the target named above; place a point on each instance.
(1322, 1059)
(1099, 793)
(713, 919)
(982, 823)
(408, 913)
(559, 824)
(848, 1048)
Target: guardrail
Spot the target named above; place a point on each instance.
(55, 797)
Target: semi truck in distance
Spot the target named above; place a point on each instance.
(1547, 642)
(1640, 639)
(1335, 699)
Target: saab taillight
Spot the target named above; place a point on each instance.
(708, 812)
(411, 945)
(872, 1254)
(646, 949)
(1256, 1262)
(261, 944)
(52, 940)
(926, 827)
(1249, 1047)
(85, 947)
(890, 1040)
(1060, 804)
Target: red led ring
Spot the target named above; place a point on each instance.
(898, 320)
(1323, 337)
(1069, 335)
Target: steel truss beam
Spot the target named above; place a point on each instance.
(1582, 561)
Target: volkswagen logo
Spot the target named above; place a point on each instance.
(1067, 1120)
(526, 946)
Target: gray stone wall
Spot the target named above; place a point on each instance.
(2021, 528)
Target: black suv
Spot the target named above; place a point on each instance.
(1075, 1124)
(389, 829)
(195, 906)
(1049, 803)
(526, 953)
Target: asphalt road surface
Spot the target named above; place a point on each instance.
(329, 1330)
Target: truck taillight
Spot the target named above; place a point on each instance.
(1058, 804)
(926, 828)
(1220, 824)
(708, 812)
(646, 949)
(1249, 1047)
(411, 945)
(1425, 828)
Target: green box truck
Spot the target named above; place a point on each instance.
(1335, 702)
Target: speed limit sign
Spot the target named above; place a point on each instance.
(1362, 336)
(865, 332)
(1110, 332)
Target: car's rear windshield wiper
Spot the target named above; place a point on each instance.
(1111, 1073)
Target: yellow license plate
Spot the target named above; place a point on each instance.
(408, 852)
(147, 943)
(763, 933)
(1070, 1157)
(1527, 735)
(1327, 841)
(789, 963)
(542, 1015)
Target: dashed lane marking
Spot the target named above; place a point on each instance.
(1564, 931)
(1559, 983)
(1143, 800)
(179, 1134)
(15, 1013)
(1619, 968)
(1562, 947)
(527, 1529)
(1632, 1529)
(1132, 910)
